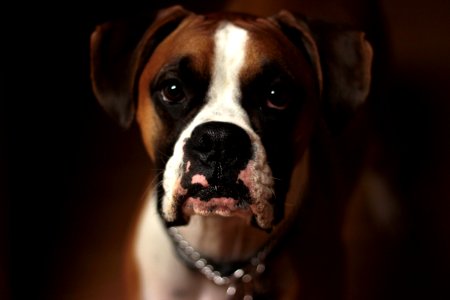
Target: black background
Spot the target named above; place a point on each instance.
(66, 168)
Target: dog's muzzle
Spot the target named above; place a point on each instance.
(223, 172)
(215, 158)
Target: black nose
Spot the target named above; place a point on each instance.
(219, 145)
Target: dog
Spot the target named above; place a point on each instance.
(233, 111)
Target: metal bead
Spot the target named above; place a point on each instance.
(209, 272)
(231, 290)
(246, 278)
(200, 263)
(189, 250)
(178, 237)
(238, 273)
(206, 270)
(195, 255)
(260, 268)
(219, 280)
(183, 244)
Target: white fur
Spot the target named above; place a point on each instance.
(155, 258)
(224, 105)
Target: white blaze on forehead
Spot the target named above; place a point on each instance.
(230, 46)
(223, 104)
(224, 95)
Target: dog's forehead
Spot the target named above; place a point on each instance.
(197, 38)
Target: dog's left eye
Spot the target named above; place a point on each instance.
(277, 98)
(172, 91)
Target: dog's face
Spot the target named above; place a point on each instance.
(226, 105)
(228, 101)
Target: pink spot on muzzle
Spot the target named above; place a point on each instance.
(246, 175)
(200, 179)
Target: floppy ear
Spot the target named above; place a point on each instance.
(119, 51)
(342, 58)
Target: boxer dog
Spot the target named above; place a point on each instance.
(228, 106)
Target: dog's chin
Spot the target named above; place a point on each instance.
(221, 207)
(218, 206)
(224, 201)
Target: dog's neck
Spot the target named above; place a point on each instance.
(224, 239)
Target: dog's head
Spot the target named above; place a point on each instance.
(226, 103)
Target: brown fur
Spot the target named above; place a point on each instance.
(192, 34)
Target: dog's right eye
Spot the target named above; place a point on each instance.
(172, 91)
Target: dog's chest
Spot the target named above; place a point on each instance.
(162, 275)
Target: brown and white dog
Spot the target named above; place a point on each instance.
(229, 106)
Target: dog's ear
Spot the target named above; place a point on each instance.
(119, 51)
(342, 58)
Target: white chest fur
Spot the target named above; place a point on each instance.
(161, 275)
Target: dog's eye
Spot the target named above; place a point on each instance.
(172, 91)
(277, 98)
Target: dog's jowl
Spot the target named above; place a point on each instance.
(228, 106)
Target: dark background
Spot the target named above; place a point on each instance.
(71, 179)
